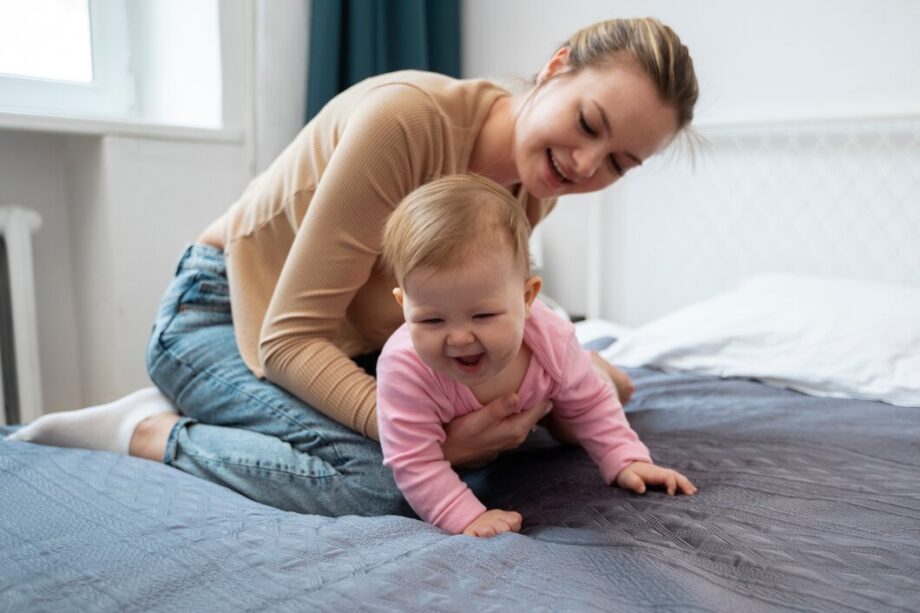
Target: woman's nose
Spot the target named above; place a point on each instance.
(587, 160)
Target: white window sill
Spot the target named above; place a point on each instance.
(106, 127)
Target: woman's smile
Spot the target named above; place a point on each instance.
(561, 175)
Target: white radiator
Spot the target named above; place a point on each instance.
(20, 385)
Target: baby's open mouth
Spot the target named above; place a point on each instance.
(469, 363)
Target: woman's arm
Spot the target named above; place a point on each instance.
(388, 147)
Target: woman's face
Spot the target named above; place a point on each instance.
(580, 132)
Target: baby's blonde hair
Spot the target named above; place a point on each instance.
(656, 49)
(446, 221)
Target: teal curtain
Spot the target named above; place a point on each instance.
(351, 40)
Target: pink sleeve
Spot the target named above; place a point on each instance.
(588, 403)
(411, 434)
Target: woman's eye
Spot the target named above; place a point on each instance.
(584, 124)
(616, 166)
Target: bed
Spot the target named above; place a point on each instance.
(809, 477)
(805, 503)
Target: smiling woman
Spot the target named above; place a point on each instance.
(268, 335)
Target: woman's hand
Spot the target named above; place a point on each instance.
(477, 438)
(638, 475)
(613, 375)
(494, 522)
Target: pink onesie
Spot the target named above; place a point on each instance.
(414, 401)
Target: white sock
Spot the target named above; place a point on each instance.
(107, 427)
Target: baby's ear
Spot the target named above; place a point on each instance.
(398, 294)
(532, 287)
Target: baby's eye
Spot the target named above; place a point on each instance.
(483, 315)
(431, 321)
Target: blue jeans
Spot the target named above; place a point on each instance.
(244, 432)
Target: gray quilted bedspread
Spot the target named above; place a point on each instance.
(804, 504)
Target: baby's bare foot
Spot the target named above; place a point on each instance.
(625, 386)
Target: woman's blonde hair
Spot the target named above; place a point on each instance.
(653, 45)
(443, 223)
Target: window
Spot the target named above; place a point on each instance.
(153, 62)
(67, 57)
(46, 39)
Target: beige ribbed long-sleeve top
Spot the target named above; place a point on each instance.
(302, 243)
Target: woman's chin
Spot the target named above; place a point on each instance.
(539, 189)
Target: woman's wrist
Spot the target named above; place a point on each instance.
(458, 456)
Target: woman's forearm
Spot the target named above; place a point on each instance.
(321, 375)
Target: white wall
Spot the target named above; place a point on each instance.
(754, 60)
(33, 174)
(116, 212)
(135, 202)
(175, 46)
(765, 61)
(282, 30)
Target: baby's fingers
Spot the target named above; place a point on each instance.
(632, 481)
(513, 521)
(670, 481)
(487, 531)
(673, 482)
(481, 531)
(686, 486)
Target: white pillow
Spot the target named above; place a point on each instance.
(827, 337)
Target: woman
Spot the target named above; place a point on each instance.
(275, 401)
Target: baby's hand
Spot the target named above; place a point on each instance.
(494, 522)
(639, 474)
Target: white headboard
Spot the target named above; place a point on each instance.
(837, 198)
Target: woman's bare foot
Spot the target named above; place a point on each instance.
(150, 436)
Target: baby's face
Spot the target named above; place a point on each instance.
(468, 322)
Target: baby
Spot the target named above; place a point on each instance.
(458, 248)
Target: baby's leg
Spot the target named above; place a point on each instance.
(562, 431)
(625, 386)
(616, 377)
